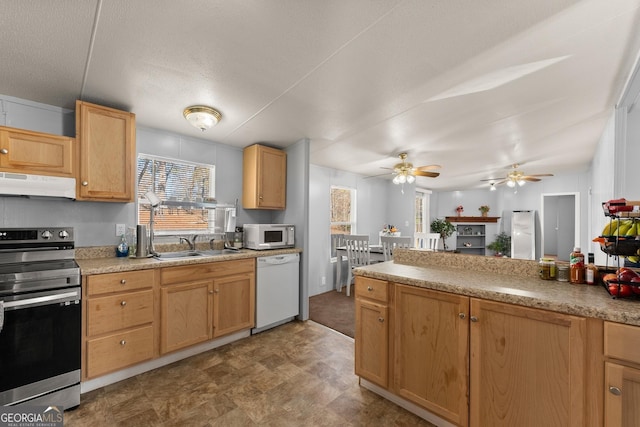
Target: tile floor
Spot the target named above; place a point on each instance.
(299, 374)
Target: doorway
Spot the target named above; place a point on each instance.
(560, 224)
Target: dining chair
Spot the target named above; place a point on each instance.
(389, 243)
(337, 241)
(358, 254)
(428, 241)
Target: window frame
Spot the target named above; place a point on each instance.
(353, 220)
(142, 201)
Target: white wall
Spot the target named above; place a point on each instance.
(373, 205)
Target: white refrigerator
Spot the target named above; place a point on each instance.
(523, 234)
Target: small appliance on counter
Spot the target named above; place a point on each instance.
(269, 236)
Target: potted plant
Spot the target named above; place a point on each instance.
(502, 245)
(444, 228)
(484, 209)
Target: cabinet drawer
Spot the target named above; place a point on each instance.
(622, 342)
(119, 282)
(169, 275)
(371, 288)
(114, 312)
(119, 350)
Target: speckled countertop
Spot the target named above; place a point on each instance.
(92, 261)
(484, 277)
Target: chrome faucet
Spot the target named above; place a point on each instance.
(191, 243)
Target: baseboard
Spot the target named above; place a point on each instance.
(411, 407)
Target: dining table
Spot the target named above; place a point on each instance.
(375, 255)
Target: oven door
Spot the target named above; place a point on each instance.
(40, 339)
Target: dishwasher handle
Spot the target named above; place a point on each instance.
(278, 259)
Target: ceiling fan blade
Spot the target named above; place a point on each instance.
(427, 168)
(501, 182)
(427, 174)
(493, 179)
(530, 178)
(542, 174)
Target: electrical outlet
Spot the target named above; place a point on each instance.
(324, 280)
(121, 229)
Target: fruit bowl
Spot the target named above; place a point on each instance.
(623, 283)
(621, 246)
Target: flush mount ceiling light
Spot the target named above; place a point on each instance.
(201, 116)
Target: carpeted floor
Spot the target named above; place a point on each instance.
(335, 310)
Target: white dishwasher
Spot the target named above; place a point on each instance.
(277, 290)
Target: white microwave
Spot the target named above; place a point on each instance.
(268, 236)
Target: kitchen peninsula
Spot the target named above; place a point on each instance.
(453, 336)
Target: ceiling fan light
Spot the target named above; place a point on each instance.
(511, 184)
(201, 116)
(396, 180)
(493, 187)
(521, 182)
(410, 179)
(402, 178)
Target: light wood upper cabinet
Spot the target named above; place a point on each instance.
(431, 350)
(264, 178)
(37, 153)
(527, 366)
(107, 148)
(372, 330)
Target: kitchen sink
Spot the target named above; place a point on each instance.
(178, 255)
(166, 256)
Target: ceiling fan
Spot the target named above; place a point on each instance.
(516, 177)
(406, 172)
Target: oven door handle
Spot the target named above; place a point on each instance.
(39, 300)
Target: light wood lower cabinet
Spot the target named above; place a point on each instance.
(186, 313)
(481, 363)
(372, 330)
(527, 366)
(119, 321)
(204, 301)
(622, 375)
(431, 350)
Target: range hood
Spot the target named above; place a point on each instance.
(20, 184)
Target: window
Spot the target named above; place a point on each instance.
(422, 211)
(343, 210)
(176, 181)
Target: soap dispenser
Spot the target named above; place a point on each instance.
(122, 250)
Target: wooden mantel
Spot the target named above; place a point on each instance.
(472, 218)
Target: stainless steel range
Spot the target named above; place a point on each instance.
(40, 317)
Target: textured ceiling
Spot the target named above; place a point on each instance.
(472, 86)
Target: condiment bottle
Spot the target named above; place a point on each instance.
(547, 269)
(576, 266)
(591, 271)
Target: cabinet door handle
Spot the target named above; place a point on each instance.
(123, 303)
(615, 390)
(4, 151)
(85, 183)
(380, 319)
(123, 282)
(217, 290)
(473, 318)
(462, 315)
(210, 292)
(369, 288)
(123, 342)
